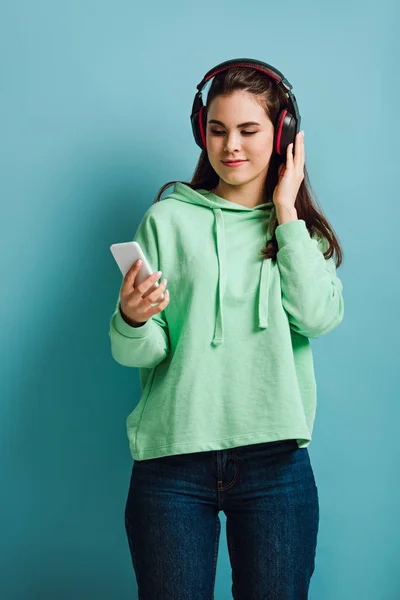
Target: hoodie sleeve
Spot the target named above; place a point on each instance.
(148, 345)
(311, 290)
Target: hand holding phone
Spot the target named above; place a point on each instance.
(140, 288)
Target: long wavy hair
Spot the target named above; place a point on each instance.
(265, 91)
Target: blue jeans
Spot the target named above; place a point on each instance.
(269, 496)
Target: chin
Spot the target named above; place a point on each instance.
(236, 182)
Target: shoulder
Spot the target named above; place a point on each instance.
(163, 212)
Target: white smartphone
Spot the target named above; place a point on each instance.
(125, 254)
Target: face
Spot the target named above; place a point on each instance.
(230, 139)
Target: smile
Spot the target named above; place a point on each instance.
(234, 164)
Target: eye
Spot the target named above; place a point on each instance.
(218, 132)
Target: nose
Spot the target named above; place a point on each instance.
(232, 142)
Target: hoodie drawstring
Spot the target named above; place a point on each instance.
(263, 287)
(263, 290)
(220, 243)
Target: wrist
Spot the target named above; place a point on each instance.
(285, 214)
(129, 321)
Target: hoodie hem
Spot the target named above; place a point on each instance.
(303, 439)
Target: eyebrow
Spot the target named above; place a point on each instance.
(240, 124)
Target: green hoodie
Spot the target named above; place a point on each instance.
(229, 361)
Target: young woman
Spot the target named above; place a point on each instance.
(228, 387)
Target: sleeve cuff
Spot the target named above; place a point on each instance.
(292, 231)
(131, 332)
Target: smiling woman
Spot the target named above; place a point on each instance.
(226, 368)
(242, 119)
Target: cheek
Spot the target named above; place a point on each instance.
(263, 145)
(260, 154)
(213, 145)
(214, 151)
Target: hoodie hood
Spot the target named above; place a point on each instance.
(218, 205)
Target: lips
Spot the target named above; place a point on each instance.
(232, 162)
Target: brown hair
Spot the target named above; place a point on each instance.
(272, 99)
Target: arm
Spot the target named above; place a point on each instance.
(148, 344)
(311, 290)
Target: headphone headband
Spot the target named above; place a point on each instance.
(265, 68)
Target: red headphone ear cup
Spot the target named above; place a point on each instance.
(285, 132)
(204, 125)
(199, 120)
(278, 132)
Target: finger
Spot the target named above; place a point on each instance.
(153, 310)
(298, 157)
(155, 295)
(297, 146)
(131, 276)
(147, 283)
(164, 302)
(301, 153)
(289, 156)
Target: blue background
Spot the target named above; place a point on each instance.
(95, 105)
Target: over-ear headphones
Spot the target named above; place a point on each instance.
(287, 124)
